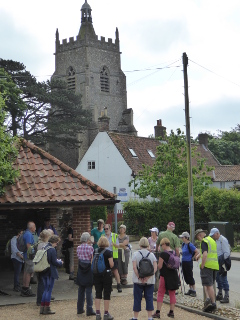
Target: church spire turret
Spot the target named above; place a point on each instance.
(86, 29)
(86, 12)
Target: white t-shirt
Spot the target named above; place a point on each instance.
(137, 257)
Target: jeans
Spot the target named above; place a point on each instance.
(222, 282)
(48, 286)
(138, 290)
(17, 266)
(40, 288)
(81, 298)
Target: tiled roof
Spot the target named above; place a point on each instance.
(139, 145)
(226, 173)
(46, 180)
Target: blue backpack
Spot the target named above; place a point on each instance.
(98, 263)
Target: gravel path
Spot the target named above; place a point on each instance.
(120, 308)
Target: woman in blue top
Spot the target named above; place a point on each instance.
(188, 252)
(50, 275)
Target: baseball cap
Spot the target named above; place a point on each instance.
(184, 234)
(171, 225)
(154, 229)
(213, 231)
(199, 231)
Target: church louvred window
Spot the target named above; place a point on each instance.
(104, 80)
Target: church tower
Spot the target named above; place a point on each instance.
(92, 67)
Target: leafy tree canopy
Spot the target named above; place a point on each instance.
(50, 112)
(167, 179)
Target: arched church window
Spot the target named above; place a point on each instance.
(71, 79)
(104, 80)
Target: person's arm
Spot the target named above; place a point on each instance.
(111, 263)
(14, 248)
(158, 243)
(53, 258)
(225, 248)
(204, 258)
(155, 266)
(177, 251)
(160, 263)
(135, 268)
(70, 237)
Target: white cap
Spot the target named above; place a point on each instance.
(184, 234)
(154, 229)
(213, 231)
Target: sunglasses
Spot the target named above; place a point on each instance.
(106, 229)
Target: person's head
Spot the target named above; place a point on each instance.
(171, 226)
(214, 233)
(85, 237)
(54, 240)
(122, 229)
(154, 231)
(143, 243)
(165, 244)
(200, 234)
(45, 235)
(47, 222)
(107, 229)
(100, 224)
(31, 226)
(103, 242)
(185, 236)
(18, 232)
(51, 232)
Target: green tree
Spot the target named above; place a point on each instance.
(8, 151)
(52, 113)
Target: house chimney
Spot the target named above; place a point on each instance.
(159, 130)
(203, 139)
(103, 121)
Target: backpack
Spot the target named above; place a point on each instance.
(98, 263)
(21, 244)
(40, 260)
(173, 261)
(32, 250)
(145, 266)
(7, 250)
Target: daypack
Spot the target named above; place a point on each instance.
(40, 260)
(173, 261)
(32, 250)
(21, 244)
(7, 250)
(98, 263)
(145, 266)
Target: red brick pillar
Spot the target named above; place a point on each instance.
(80, 224)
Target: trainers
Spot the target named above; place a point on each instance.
(108, 317)
(193, 293)
(188, 293)
(91, 313)
(27, 293)
(156, 315)
(98, 316)
(207, 305)
(118, 288)
(170, 314)
(219, 296)
(225, 300)
(17, 289)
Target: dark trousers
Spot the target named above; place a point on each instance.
(40, 288)
(17, 266)
(82, 291)
(48, 286)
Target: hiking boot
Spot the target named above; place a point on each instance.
(47, 310)
(156, 315)
(118, 288)
(17, 289)
(108, 317)
(27, 293)
(71, 277)
(207, 305)
(193, 293)
(98, 316)
(41, 309)
(188, 293)
(124, 282)
(225, 300)
(91, 313)
(80, 311)
(219, 296)
(170, 314)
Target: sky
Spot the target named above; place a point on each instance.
(153, 36)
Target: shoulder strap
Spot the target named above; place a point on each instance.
(141, 254)
(148, 254)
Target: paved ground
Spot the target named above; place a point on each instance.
(65, 289)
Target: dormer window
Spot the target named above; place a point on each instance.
(132, 153)
(104, 80)
(151, 153)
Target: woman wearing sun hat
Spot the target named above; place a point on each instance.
(153, 239)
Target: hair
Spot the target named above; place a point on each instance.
(165, 241)
(143, 243)
(54, 239)
(44, 235)
(123, 227)
(103, 242)
(30, 224)
(85, 237)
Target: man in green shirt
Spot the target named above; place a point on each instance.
(97, 232)
(174, 240)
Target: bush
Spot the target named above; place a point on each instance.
(98, 212)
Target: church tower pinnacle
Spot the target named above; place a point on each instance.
(86, 28)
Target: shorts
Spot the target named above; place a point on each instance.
(115, 261)
(103, 283)
(28, 266)
(208, 276)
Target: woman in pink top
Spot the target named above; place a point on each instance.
(153, 239)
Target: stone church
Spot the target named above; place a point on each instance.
(92, 67)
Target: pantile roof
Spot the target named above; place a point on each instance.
(45, 180)
(226, 173)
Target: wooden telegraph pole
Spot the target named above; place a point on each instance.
(189, 157)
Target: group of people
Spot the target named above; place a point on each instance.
(215, 262)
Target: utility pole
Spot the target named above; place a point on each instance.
(189, 156)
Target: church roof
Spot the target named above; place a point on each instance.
(85, 5)
(46, 181)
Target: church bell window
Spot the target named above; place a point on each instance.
(71, 79)
(104, 80)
